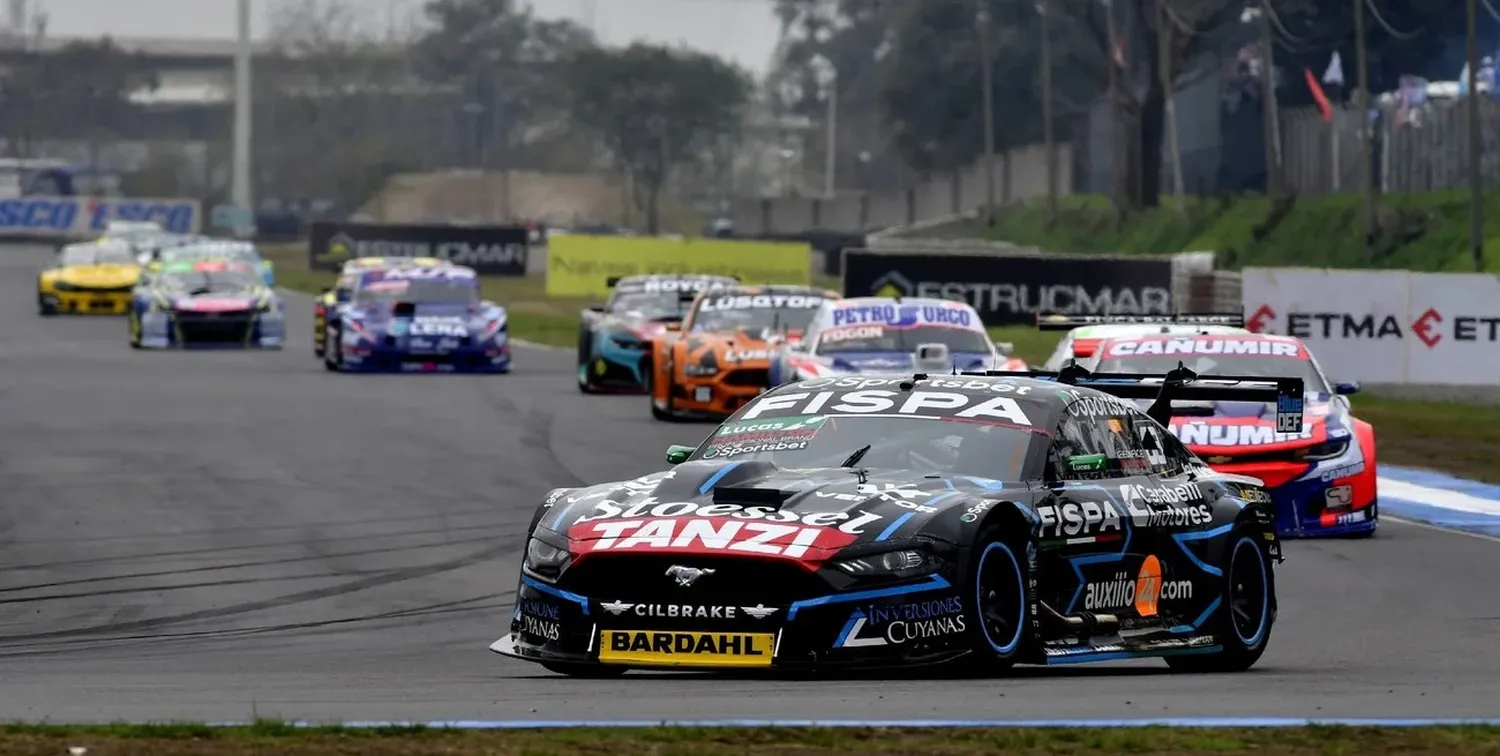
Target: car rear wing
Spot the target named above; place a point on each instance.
(1058, 322)
(1182, 384)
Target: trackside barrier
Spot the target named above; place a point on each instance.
(1010, 284)
(80, 217)
(1384, 326)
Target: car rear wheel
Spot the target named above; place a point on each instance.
(997, 588)
(1242, 626)
(589, 671)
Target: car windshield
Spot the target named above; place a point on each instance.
(755, 312)
(647, 305)
(97, 254)
(1207, 365)
(224, 280)
(944, 446)
(429, 290)
(238, 254)
(881, 338)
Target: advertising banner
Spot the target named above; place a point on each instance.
(1012, 290)
(489, 250)
(580, 266)
(1383, 326)
(67, 217)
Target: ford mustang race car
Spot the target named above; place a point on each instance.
(207, 303)
(1321, 474)
(882, 334)
(719, 356)
(874, 520)
(1084, 332)
(614, 339)
(419, 319)
(96, 277)
(205, 248)
(338, 294)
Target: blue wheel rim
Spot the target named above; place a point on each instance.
(992, 592)
(1249, 593)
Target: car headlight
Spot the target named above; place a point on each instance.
(627, 340)
(701, 371)
(63, 286)
(899, 564)
(545, 560)
(1326, 450)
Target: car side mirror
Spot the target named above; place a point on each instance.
(1005, 348)
(596, 308)
(1345, 389)
(327, 289)
(677, 454)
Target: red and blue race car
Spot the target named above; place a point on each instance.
(1320, 476)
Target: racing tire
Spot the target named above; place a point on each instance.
(996, 585)
(648, 383)
(586, 671)
(585, 384)
(1242, 626)
(333, 355)
(135, 331)
(44, 309)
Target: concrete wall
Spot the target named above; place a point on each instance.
(1019, 174)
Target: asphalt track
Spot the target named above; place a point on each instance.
(218, 536)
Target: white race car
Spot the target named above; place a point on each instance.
(890, 335)
(1086, 331)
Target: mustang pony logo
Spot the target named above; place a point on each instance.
(686, 576)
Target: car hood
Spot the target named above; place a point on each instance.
(100, 275)
(884, 362)
(1241, 427)
(729, 508)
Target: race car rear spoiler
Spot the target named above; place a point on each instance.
(1182, 384)
(1046, 321)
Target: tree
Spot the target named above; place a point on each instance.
(655, 108)
(852, 37)
(332, 119)
(507, 63)
(82, 90)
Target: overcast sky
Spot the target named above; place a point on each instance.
(743, 30)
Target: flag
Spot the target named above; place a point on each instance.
(1318, 95)
(1334, 73)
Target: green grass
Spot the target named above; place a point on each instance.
(1460, 439)
(1428, 231)
(271, 737)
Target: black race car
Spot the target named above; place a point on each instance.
(871, 520)
(614, 339)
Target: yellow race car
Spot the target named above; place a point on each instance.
(338, 294)
(96, 278)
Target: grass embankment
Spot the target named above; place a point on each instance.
(1460, 439)
(197, 740)
(1428, 232)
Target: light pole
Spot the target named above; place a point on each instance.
(1476, 148)
(241, 189)
(987, 97)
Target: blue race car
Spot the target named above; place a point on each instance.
(206, 303)
(883, 335)
(418, 320)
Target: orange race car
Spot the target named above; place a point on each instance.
(719, 357)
